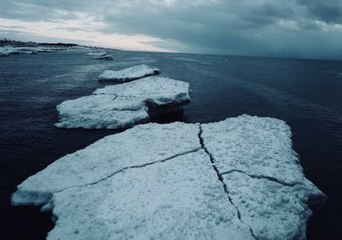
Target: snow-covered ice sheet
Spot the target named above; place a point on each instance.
(123, 105)
(165, 182)
(177, 199)
(128, 74)
(141, 145)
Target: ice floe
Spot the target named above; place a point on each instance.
(96, 53)
(9, 50)
(179, 181)
(100, 54)
(104, 57)
(128, 74)
(124, 105)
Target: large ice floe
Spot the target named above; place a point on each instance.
(234, 179)
(124, 105)
(128, 74)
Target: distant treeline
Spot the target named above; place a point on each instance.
(15, 43)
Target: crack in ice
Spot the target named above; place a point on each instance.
(132, 167)
(143, 165)
(220, 178)
(272, 179)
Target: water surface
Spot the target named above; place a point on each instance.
(304, 93)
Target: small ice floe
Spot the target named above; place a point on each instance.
(100, 54)
(96, 53)
(158, 181)
(7, 50)
(28, 50)
(124, 105)
(128, 74)
(104, 57)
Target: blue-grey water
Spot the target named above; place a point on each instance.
(307, 94)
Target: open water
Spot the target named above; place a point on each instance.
(307, 94)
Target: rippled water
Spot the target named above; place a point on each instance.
(306, 94)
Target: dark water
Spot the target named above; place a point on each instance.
(306, 94)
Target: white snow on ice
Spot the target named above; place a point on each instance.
(178, 199)
(96, 53)
(128, 74)
(100, 54)
(123, 105)
(9, 50)
(158, 181)
(242, 140)
(271, 209)
(141, 145)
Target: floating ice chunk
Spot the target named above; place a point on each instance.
(124, 105)
(100, 54)
(141, 145)
(7, 50)
(104, 57)
(158, 181)
(37, 49)
(128, 74)
(97, 53)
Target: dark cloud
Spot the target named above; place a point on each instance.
(329, 10)
(298, 28)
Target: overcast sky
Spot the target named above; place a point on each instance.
(284, 28)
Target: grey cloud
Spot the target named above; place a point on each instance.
(328, 10)
(262, 27)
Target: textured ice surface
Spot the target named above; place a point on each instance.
(123, 105)
(177, 199)
(240, 144)
(179, 181)
(128, 74)
(271, 209)
(141, 145)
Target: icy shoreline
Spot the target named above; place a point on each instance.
(238, 178)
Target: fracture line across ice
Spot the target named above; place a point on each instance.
(237, 179)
